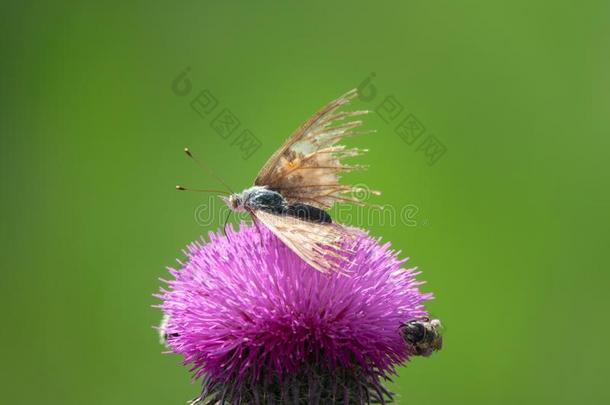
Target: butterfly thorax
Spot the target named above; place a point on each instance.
(257, 198)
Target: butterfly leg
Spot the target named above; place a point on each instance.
(255, 222)
(224, 228)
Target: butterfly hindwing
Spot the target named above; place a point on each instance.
(306, 168)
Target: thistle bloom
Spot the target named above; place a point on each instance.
(260, 326)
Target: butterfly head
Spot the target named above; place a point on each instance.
(235, 202)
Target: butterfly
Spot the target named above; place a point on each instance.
(300, 181)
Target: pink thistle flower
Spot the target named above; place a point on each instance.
(261, 326)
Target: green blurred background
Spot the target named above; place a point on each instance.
(511, 227)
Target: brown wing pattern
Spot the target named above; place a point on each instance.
(307, 166)
(324, 246)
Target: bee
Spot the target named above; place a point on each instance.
(423, 335)
(164, 336)
(300, 181)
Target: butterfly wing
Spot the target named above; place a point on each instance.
(306, 168)
(324, 246)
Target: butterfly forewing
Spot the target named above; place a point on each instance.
(306, 168)
(324, 246)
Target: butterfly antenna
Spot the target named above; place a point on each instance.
(201, 190)
(206, 169)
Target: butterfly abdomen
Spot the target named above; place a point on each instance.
(308, 213)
